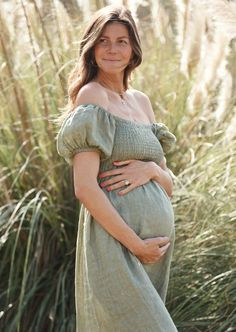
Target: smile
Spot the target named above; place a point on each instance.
(110, 60)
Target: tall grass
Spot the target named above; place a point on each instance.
(39, 214)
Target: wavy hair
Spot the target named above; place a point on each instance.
(86, 69)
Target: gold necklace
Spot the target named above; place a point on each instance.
(122, 98)
(119, 93)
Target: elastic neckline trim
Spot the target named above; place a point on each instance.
(116, 117)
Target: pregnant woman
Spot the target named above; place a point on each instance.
(126, 224)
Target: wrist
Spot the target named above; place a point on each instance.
(154, 171)
(137, 247)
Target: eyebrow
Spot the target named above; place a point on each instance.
(127, 37)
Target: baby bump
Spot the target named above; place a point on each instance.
(146, 209)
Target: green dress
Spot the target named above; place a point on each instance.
(114, 291)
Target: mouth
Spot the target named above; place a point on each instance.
(112, 60)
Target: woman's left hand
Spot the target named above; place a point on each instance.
(137, 172)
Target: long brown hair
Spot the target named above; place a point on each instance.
(86, 69)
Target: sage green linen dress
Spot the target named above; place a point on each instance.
(114, 291)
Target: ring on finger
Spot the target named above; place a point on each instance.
(126, 182)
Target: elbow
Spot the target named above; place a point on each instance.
(169, 193)
(83, 191)
(169, 189)
(79, 193)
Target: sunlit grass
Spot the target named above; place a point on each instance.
(39, 214)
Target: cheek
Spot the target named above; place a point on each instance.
(96, 51)
(128, 53)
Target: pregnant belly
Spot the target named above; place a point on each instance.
(146, 209)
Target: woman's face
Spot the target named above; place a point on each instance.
(113, 50)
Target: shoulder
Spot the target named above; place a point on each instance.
(92, 93)
(144, 102)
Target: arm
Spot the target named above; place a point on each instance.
(161, 175)
(85, 170)
(87, 190)
(138, 173)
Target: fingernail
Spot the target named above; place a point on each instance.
(108, 189)
(102, 184)
(115, 161)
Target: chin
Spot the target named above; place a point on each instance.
(113, 70)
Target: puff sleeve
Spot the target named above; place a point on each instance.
(166, 138)
(87, 128)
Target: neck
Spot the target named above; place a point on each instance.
(112, 82)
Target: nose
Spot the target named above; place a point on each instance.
(112, 47)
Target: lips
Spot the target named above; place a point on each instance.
(112, 60)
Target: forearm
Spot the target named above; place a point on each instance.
(162, 177)
(107, 216)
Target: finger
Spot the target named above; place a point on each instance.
(115, 179)
(123, 162)
(127, 189)
(161, 241)
(164, 249)
(152, 261)
(117, 185)
(110, 173)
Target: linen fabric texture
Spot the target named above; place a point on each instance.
(114, 291)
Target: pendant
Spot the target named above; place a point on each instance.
(122, 99)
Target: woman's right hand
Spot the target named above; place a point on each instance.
(153, 249)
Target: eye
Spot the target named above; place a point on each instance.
(123, 41)
(102, 41)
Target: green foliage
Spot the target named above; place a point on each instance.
(39, 214)
(202, 291)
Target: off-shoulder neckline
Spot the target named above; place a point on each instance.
(116, 117)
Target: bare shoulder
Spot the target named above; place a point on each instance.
(144, 101)
(92, 93)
